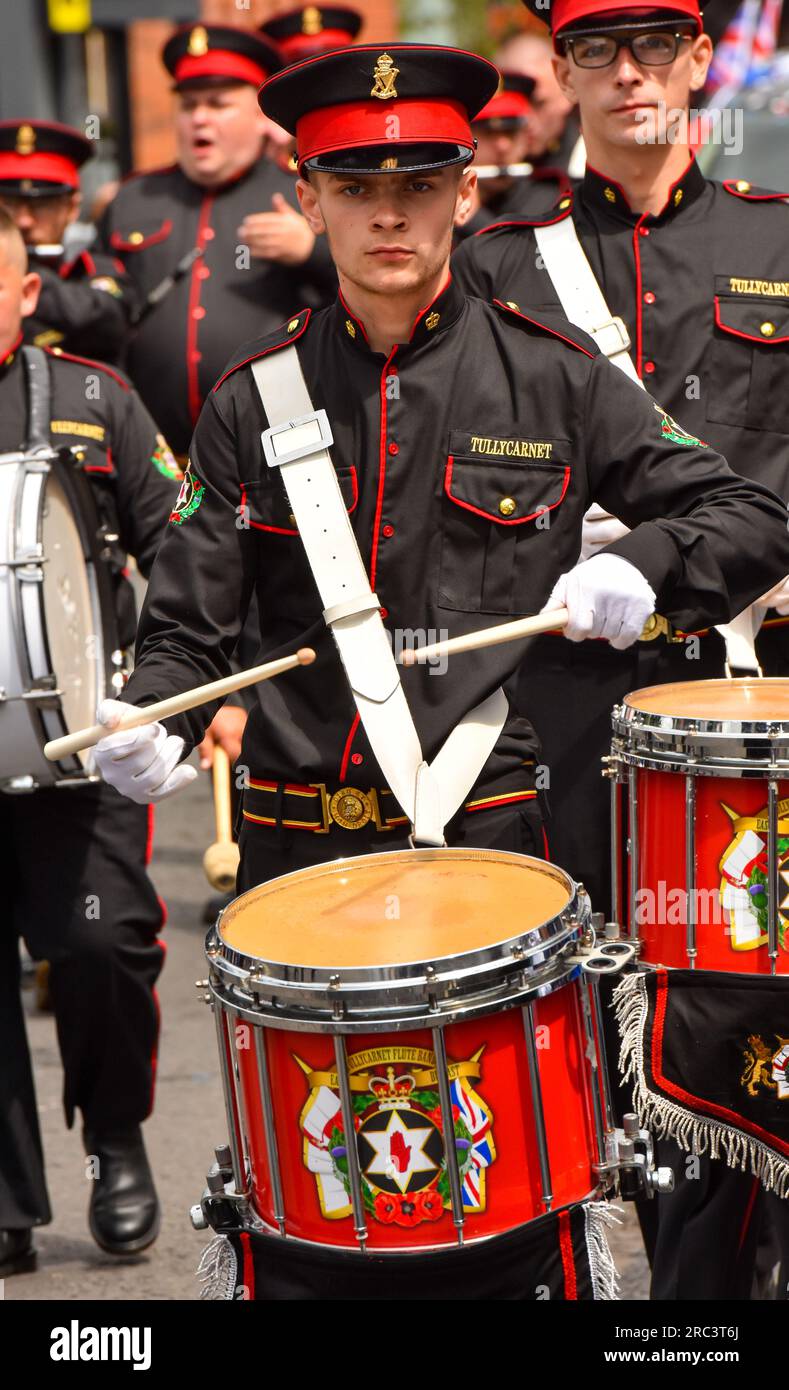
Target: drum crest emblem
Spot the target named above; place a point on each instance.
(744, 888)
(399, 1135)
(766, 1066)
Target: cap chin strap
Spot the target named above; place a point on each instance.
(584, 303)
(297, 442)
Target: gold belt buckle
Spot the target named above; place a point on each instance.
(658, 626)
(349, 808)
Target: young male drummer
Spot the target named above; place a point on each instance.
(75, 881)
(84, 301)
(458, 428)
(696, 272)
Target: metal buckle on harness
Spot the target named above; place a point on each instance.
(297, 439)
(616, 330)
(658, 626)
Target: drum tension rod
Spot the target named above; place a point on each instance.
(448, 1122)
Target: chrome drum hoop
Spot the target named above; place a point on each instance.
(718, 747)
(392, 997)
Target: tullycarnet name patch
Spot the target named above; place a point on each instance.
(507, 447)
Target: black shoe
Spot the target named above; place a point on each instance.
(124, 1209)
(214, 906)
(17, 1252)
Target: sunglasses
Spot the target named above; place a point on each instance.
(653, 48)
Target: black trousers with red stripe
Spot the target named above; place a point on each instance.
(76, 889)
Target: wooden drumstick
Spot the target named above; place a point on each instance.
(488, 637)
(177, 704)
(220, 860)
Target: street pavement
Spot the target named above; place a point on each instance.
(188, 1120)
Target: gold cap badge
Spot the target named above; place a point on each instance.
(311, 20)
(390, 163)
(198, 42)
(25, 139)
(385, 75)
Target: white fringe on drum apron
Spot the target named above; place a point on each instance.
(218, 1267)
(218, 1270)
(696, 1134)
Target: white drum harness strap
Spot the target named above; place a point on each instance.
(297, 442)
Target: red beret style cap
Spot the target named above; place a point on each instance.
(215, 53)
(371, 96)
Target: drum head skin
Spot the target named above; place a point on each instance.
(392, 909)
(743, 700)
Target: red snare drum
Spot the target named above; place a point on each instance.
(402, 997)
(707, 770)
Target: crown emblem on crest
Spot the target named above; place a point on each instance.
(198, 42)
(25, 140)
(311, 20)
(391, 1090)
(385, 75)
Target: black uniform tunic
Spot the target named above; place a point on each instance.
(227, 296)
(703, 288)
(83, 307)
(64, 849)
(480, 408)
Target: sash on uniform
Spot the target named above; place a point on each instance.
(708, 1053)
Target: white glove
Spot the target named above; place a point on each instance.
(605, 597)
(777, 598)
(140, 763)
(599, 528)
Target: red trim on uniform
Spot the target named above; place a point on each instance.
(568, 1257)
(118, 265)
(705, 1107)
(353, 317)
(248, 1272)
(546, 328)
(639, 319)
(348, 745)
(120, 244)
(89, 263)
(220, 62)
(288, 787)
(146, 173)
(47, 168)
(284, 342)
(749, 337)
(10, 351)
(491, 803)
(545, 845)
(490, 516)
(527, 221)
(359, 123)
(88, 362)
(192, 383)
(379, 501)
(731, 187)
(312, 45)
(259, 526)
(149, 833)
(107, 467)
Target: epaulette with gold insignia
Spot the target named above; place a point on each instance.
(551, 322)
(280, 337)
(741, 188)
(557, 213)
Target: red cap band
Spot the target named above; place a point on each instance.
(44, 168)
(504, 106)
(305, 45)
(358, 123)
(219, 62)
(564, 12)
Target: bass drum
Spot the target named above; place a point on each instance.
(58, 636)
